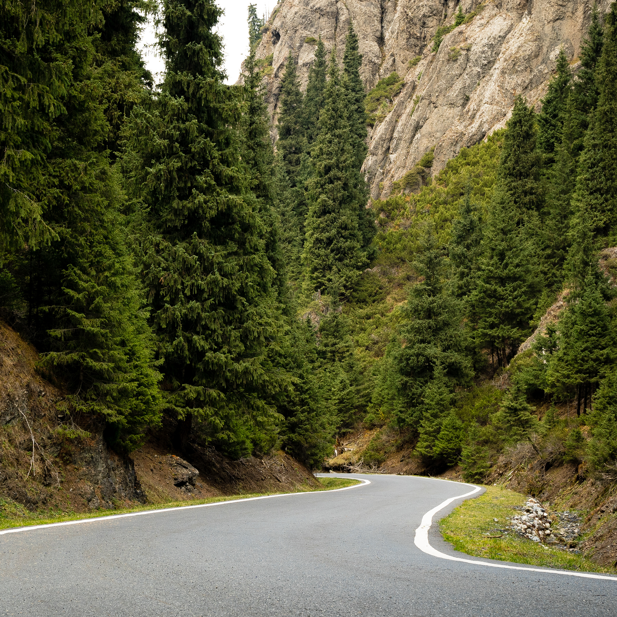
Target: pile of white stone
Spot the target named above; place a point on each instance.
(534, 523)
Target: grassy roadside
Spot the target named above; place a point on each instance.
(14, 515)
(471, 529)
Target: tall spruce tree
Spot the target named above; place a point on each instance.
(315, 91)
(505, 296)
(520, 165)
(465, 248)
(551, 119)
(431, 335)
(256, 23)
(333, 257)
(84, 304)
(204, 260)
(585, 342)
(291, 138)
(584, 87)
(353, 90)
(595, 197)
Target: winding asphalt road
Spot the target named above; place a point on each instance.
(343, 553)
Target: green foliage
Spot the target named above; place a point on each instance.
(311, 40)
(379, 100)
(414, 61)
(515, 417)
(551, 119)
(439, 36)
(430, 336)
(256, 24)
(595, 197)
(333, 254)
(205, 262)
(454, 54)
(474, 457)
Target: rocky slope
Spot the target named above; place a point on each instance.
(452, 98)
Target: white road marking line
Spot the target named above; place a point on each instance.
(421, 541)
(201, 505)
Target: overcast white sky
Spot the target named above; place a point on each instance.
(232, 27)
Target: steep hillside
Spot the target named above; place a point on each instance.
(454, 93)
(53, 460)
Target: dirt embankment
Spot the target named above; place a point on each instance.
(54, 461)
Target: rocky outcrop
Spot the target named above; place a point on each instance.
(452, 98)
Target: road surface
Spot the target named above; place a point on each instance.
(343, 553)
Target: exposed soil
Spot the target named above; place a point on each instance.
(54, 461)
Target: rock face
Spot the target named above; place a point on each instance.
(452, 98)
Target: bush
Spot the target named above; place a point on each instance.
(414, 61)
(379, 99)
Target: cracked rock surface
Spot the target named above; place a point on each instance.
(508, 48)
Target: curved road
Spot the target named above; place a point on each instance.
(343, 553)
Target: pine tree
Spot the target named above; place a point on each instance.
(551, 119)
(314, 97)
(291, 138)
(602, 449)
(431, 335)
(256, 23)
(353, 91)
(561, 183)
(333, 255)
(515, 415)
(584, 88)
(585, 342)
(520, 166)
(595, 198)
(436, 403)
(204, 260)
(474, 457)
(465, 247)
(62, 206)
(505, 296)
(449, 443)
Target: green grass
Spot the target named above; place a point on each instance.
(15, 515)
(470, 528)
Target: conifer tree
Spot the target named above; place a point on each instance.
(474, 457)
(291, 138)
(551, 119)
(595, 197)
(515, 415)
(436, 403)
(353, 91)
(561, 183)
(333, 257)
(314, 97)
(585, 342)
(520, 165)
(505, 296)
(584, 87)
(449, 442)
(204, 261)
(431, 335)
(61, 204)
(465, 247)
(256, 23)
(602, 449)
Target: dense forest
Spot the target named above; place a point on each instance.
(168, 260)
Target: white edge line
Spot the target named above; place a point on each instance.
(176, 509)
(422, 542)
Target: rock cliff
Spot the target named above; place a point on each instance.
(451, 98)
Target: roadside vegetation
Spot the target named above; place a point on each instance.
(13, 514)
(479, 527)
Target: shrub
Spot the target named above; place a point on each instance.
(379, 99)
(414, 61)
(310, 40)
(454, 54)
